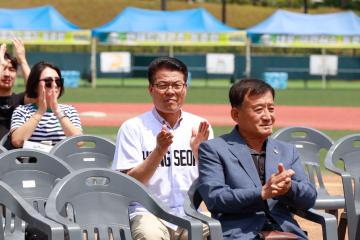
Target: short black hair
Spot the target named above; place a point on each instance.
(12, 59)
(250, 87)
(169, 63)
(34, 79)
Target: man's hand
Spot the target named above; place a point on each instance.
(20, 50)
(278, 184)
(198, 136)
(163, 140)
(2, 54)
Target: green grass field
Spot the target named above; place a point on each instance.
(338, 93)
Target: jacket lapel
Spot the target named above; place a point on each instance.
(239, 149)
(271, 165)
(272, 159)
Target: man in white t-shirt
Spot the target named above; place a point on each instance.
(160, 147)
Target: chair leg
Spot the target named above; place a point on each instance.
(342, 226)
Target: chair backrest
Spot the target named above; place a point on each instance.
(78, 153)
(3, 139)
(2, 149)
(6, 143)
(347, 150)
(308, 141)
(97, 201)
(32, 174)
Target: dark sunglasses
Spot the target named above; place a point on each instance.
(48, 81)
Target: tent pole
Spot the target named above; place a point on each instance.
(248, 58)
(323, 52)
(171, 51)
(93, 62)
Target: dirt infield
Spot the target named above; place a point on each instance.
(331, 118)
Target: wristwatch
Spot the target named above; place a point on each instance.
(61, 114)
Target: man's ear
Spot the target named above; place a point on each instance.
(235, 114)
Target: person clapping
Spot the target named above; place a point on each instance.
(45, 120)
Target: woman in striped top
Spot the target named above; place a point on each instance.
(45, 120)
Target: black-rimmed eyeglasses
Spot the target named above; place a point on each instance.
(176, 86)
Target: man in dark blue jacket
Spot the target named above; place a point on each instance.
(248, 180)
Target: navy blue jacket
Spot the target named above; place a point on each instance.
(231, 189)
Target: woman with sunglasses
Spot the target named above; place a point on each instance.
(45, 120)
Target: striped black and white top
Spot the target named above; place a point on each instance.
(49, 127)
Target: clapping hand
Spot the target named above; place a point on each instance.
(198, 136)
(164, 139)
(52, 98)
(41, 100)
(20, 50)
(278, 184)
(2, 54)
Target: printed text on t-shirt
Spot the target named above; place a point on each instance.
(184, 157)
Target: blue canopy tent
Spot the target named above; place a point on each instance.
(298, 30)
(145, 20)
(143, 27)
(289, 29)
(40, 25)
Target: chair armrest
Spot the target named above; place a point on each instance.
(328, 221)
(23, 210)
(329, 165)
(214, 225)
(192, 225)
(73, 229)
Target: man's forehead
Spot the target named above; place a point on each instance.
(8, 63)
(169, 75)
(259, 98)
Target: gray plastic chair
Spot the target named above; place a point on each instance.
(3, 139)
(347, 150)
(309, 142)
(2, 149)
(26, 179)
(5, 142)
(95, 201)
(191, 204)
(77, 156)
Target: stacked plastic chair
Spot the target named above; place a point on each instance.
(94, 201)
(26, 179)
(346, 152)
(309, 142)
(2, 149)
(85, 151)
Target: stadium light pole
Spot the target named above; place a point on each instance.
(223, 11)
(163, 5)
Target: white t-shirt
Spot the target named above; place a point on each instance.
(135, 141)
